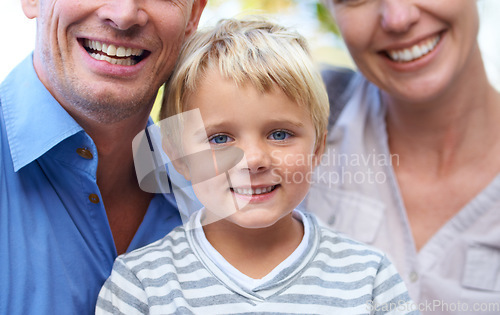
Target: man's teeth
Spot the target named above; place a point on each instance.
(256, 191)
(415, 52)
(102, 51)
(122, 62)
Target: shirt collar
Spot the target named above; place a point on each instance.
(35, 122)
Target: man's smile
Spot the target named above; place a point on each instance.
(117, 55)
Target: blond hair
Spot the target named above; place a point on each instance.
(253, 51)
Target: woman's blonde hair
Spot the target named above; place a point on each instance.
(254, 51)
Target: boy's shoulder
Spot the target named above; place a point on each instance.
(174, 242)
(340, 242)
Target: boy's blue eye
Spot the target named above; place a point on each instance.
(219, 139)
(279, 135)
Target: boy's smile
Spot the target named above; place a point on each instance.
(275, 135)
(254, 194)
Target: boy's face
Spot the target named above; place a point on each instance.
(278, 139)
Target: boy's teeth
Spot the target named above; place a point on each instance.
(103, 51)
(415, 52)
(250, 191)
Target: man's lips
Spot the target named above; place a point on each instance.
(117, 55)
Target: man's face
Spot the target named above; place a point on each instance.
(105, 59)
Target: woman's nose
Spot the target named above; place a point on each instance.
(397, 16)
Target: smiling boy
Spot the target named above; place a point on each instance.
(255, 88)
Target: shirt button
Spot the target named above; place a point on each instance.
(84, 153)
(331, 220)
(94, 198)
(413, 277)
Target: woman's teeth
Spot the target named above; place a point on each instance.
(117, 55)
(415, 52)
(256, 191)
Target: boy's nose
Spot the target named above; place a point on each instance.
(123, 14)
(258, 158)
(397, 16)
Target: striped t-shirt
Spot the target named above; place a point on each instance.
(334, 275)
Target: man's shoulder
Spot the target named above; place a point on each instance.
(4, 144)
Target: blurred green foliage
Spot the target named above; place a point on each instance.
(326, 20)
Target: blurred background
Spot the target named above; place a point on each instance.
(309, 17)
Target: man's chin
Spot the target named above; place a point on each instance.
(106, 106)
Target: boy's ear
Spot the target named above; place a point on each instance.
(30, 8)
(179, 164)
(319, 150)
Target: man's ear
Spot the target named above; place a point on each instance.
(30, 8)
(179, 163)
(319, 150)
(196, 10)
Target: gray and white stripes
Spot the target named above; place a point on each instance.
(172, 276)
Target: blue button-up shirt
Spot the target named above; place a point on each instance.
(56, 246)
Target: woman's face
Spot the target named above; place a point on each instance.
(413, 49)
